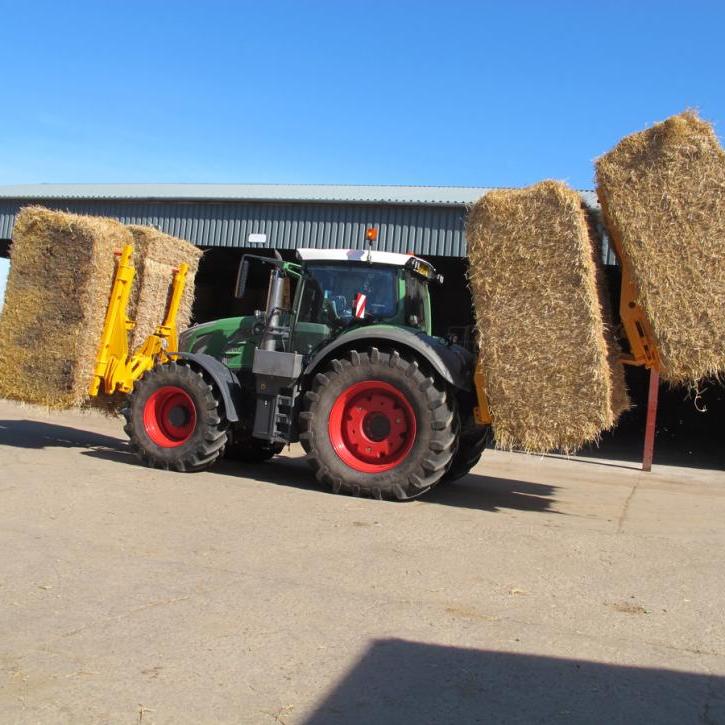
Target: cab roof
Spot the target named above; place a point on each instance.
(355, 255)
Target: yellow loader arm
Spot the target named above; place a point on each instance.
(115, 370)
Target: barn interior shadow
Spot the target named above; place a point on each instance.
(689, 430)
(397, 681)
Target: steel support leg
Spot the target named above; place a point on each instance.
(649, 430)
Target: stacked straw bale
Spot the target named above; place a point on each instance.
(61, 271)
(663, 198)
(60, 276)
(547, 354)
(157, 255)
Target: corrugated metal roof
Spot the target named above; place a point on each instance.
(330, 193)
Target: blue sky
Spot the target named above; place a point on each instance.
(397, 92)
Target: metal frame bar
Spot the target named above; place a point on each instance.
(650, 426)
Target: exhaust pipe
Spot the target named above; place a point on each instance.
(275, 299)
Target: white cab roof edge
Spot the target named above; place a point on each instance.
(353, 255)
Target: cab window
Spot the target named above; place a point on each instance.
(331, 291)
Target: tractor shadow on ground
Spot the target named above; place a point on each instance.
(398, 681)
(483, 493)
(474, 491)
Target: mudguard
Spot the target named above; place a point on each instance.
(452, 362)
(225, 380)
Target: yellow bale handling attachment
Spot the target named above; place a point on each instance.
(634, 321)
(115, 370)
(481, 412)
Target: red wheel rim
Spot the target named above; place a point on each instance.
(169, 416)
(372, 426)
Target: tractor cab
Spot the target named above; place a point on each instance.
(329, 292)
(341, 289)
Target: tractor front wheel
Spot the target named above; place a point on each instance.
(376, 424)
(174, 420)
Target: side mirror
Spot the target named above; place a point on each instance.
(242, 274)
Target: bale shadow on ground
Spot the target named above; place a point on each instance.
(397, 681)
(39, 434)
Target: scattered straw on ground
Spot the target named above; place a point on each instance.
(541, 330)
(663, 197)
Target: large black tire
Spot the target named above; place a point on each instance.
(174, 420)
(472, 441)
(419, 449)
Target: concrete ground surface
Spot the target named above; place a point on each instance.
(534, 590)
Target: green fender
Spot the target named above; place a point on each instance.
(452, 362)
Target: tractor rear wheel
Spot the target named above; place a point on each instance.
(174, 420)
(375, 424)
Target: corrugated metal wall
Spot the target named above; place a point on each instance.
(433, 230)
(422, 229)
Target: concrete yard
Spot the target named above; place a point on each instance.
(534, 590)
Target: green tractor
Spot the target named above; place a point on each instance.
(341, 359)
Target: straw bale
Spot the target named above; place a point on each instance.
(545, 349)
(663, 197)
(157, 255)
(60, 275)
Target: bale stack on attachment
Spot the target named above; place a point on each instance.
(157, 255)
(663, 200)
(546, 353)
(60, 275)
(61, 272)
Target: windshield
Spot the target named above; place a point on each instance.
(341, 293)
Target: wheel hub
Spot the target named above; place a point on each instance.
(376, 427)
(169, 416)
(372, 426)
(178, 416)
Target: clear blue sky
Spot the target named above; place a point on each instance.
(397, 92)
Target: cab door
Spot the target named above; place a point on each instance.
(308, 329)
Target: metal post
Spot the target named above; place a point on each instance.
(649, 430)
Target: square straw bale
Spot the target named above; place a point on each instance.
(60, 277)
(545, 349)
(157, 255)
(663, 199)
